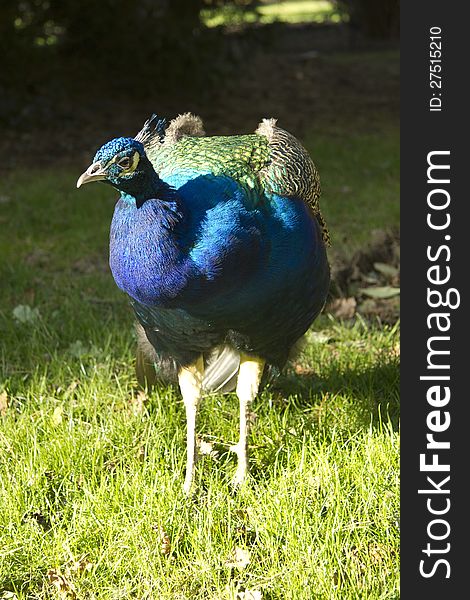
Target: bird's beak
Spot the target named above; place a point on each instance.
(95, 172)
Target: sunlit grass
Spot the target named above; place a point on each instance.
(296, 11)
(360, 176)
(91, 471)
(299, 11)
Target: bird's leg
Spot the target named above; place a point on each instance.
(249, 377)
(190, 382)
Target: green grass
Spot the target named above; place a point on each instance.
(297, 11)
(90, 475)
(360, 184)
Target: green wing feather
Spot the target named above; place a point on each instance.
(270, 160)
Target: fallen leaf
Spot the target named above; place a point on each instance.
(387, 309)
(3, 403)
(165, 543)
(250, 595)
(386, 269)
(318, 337)
(343, 308)
(72, 387)
(372, 278)
(303, 370)
(164, 540)
(368, 306)
(377, 552)
(380, 292)
(8, 595)
(64, 587)
(23, 313)
(79, 566)
(57, 415)
(207, 449)
(77, 349)
(137, 403)
(240, 558)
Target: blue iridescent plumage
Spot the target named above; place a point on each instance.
(219, 243)
(255, 274)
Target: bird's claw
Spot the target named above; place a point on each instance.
(188, 488)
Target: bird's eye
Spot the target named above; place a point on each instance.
(125, 162)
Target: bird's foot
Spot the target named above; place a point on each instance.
(239, 479)
(188, 486)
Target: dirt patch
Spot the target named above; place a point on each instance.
(368, 283)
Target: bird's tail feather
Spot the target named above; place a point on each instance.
(221, 370)
(220, 373)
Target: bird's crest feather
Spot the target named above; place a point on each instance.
(152, 131)
(158, 131)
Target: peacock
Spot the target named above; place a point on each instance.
(220, 244)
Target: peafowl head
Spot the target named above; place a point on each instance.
(122, 163)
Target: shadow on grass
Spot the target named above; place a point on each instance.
(372, 394)
(341, 404)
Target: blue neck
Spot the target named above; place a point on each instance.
(143, 186)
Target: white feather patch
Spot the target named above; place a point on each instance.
(185, 124)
